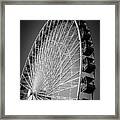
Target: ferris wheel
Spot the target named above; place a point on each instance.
(60, 64)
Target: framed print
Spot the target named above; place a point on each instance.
(59, 59)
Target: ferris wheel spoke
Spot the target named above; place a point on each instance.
(40, 98)
(53, 92)
(25, 86)
(66, 81)
(67, 33)
(64, 58)
(67, 61)
(56, 81)
(68, 69)
(71, 77)
(27, 81)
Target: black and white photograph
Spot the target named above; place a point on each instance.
(59, 59)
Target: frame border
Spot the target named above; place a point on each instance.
(53, 2)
